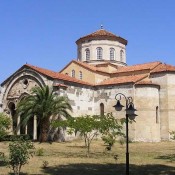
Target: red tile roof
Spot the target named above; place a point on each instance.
(164, 68)
(102, 34)
(56, 75)
(138, 67)
(153, 67)
(122, 80)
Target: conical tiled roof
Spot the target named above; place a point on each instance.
(102, 34)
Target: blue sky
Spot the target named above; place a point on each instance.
(43, 32)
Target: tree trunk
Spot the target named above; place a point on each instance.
(45, 123)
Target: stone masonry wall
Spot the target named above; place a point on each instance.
(147, 125)
(161, 79)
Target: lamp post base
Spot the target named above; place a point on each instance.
(127, 163)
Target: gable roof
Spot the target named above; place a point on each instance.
(102, 34)
(87, 66)
(122, 80)
(50, 74)
(57, 75)
(138, 67)
(154, 67)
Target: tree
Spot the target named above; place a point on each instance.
(19, 154)
(91, 126)
(87, 126)
(44, 104)
(5, 123)
(110, 129)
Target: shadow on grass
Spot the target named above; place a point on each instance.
(109, 169)
(168, 157)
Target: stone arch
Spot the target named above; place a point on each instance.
(22, 75)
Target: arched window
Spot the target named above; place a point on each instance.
(81, 75)
(101, 109)
(73, 73)
(157, 114)
(87, 54)
(99, 53)
(121, 55)
(112, 54)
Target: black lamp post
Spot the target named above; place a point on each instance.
(130, 113)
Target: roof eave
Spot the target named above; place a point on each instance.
(115, 84)
(163, 71)
(113, 38)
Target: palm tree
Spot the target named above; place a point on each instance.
(43, 103)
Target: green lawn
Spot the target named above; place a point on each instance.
(69, 158)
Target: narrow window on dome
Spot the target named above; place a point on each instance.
(99, 53)
(73, 73)
(87, 51)
(112, 54)
(81, 75)
(121, 55)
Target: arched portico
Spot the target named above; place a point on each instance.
(16, 89)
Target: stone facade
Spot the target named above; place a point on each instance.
(151, 85)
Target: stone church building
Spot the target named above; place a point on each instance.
(92, 81)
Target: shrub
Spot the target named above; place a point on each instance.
(5, 123)
(3, 159)
(40, 152)
(109, 140)
(17, 137)
(20, 152)
(45, 164)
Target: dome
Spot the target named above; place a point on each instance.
(102, 35)
(100, 47)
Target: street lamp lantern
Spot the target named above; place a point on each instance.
(131, 111)
(130, 114)
(118, 106)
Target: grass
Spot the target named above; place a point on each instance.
(69, 158)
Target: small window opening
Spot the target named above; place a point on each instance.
(73, 73)
(81, 75)
(25, 82)
(157, 114)
(101, 109)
